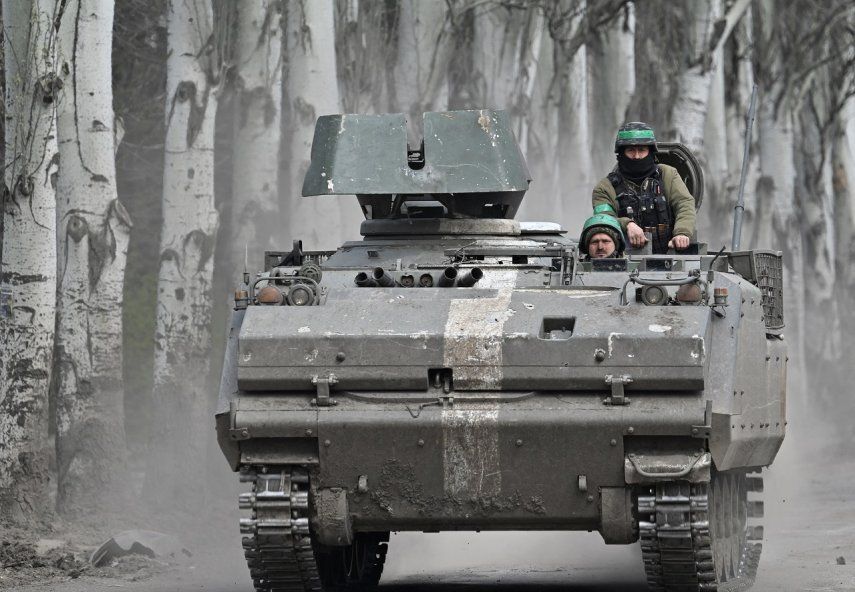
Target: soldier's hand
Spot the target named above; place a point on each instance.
(679, 242)
(636, 235)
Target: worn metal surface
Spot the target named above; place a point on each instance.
(501, 463)
(617, 523)
(681, 158)
(464, 152)
(491, 339)
(332, 522)
(276, 539)
(545, 395)
(701, 536)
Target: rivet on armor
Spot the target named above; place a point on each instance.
(613, 442)
(599, 354)
(519, 442)
(327, 442)
(421, 442)
(630, 430)
(308, 432)
(340, 356)
(590, 498)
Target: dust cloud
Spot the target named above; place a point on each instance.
(484, 557)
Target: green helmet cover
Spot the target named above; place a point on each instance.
(635, 133)
(600, 222)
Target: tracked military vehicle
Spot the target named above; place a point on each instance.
(459, 370)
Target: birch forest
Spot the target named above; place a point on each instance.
(153, 148)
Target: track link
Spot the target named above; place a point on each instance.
(700, 537)
(276, 542)
(278, 545)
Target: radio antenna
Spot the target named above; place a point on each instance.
(246, 263)
(739, 209)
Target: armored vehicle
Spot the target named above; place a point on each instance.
(459, 370)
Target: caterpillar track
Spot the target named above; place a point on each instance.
(701, 537)
(457, 369)
(278, 545)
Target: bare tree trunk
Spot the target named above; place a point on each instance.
(566, 116)
(424, 50)
(823, 96)
(693, 86)
(726, 132)
(311, 89)
(717, 198)
(776, 224)
(255, 220)
(28, 265)
(571, 161)
(611, 83)
(366, 46)
(537, 203)
(844, 207)
(93, 237)
(844, 191)
(505, 47)
(184, 299)
(715, 125)
(660, 39)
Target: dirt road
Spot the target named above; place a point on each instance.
(810, 518)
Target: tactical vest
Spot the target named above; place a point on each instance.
(647, 207)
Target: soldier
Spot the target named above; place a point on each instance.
(643, 194)
(602, 237)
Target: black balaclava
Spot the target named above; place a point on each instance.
(636, 170)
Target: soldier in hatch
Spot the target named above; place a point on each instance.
(601, 237)
(641, 193)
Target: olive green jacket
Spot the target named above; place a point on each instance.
(676, 193)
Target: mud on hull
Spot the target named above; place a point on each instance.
(519, 461)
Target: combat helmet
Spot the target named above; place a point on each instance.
(602, 222)
(635, 133)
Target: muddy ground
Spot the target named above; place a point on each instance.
(810, 546)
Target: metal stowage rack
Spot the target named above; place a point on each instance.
(764, 269)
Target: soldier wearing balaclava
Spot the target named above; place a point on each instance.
(644, 194)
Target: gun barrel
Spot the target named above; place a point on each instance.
(448, 277)
(469, 277)
(362, 280)
(383, 277)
